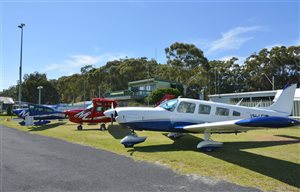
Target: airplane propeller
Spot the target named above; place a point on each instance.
(112, 114)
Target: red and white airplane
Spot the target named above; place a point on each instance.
(93, 113)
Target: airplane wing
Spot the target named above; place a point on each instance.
(242, 125)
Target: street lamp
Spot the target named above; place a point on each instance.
(40, 92)
(20, 69)
(272, 82)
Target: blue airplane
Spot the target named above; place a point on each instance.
(40, 113)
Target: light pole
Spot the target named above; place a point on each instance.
(20, 69)
(272, 82)
(40, 93)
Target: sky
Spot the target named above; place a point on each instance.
(60, 37)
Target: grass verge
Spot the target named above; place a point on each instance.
(265, 159)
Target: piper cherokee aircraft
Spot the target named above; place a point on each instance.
(182, 115)
(39, 112)
(93, 113)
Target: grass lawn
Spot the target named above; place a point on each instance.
(265, 159)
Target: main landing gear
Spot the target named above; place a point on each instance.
(102, 127)
(79, 127)
(208, 145)
(132, 139)
(175, 135)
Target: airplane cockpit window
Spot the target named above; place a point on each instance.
(222, 111)
(169, 105)
(204, 109)
(99, 109)
(186, 107)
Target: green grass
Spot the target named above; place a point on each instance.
(265, 159)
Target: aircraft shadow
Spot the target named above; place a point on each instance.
(233, 152)
(47, 126)
(89, 129)
(118, 132)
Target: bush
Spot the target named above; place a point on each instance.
(9, 110)
(158, 94)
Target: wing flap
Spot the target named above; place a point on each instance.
(222, 126)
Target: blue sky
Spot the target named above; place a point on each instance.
(62, 36)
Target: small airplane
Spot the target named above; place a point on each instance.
(182, 115)
(39, 112)
(93, 113)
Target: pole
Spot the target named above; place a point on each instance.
(39, 96)
(99, 91)
(40, 93)
(20, 68)
(273, 83)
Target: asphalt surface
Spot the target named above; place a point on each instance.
(35, 163)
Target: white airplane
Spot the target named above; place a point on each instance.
(182, 115)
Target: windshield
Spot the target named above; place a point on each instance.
(169, 105)
(89, 107)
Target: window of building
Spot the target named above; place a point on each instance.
(204, 109)
(235, 113)
(186, 107)
(222, 111)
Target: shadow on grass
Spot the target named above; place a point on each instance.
(232, 152)
(47, 126)
(87, 129)
(118, 132)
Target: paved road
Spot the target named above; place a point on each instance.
(36, 163)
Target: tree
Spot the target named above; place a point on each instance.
(30, 92)
(185, 61)
(158, 94)
(281, 62)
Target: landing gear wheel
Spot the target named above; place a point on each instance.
(208, 149)
(102, 127)
(128, 145)
(208, 145)
(79, 127)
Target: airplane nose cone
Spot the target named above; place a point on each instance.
(110, 112)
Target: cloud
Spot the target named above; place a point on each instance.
(75, 62)
(233, 39)
(269, 47)
(241, 60)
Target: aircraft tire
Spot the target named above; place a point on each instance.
(102, 127)
(128, 145)
(79, 127)
(208, 149)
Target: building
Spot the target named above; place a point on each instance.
(258, 98)
(140, 89)
(5, 103)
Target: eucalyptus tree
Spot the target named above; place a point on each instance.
(186, 61)
(280, 63)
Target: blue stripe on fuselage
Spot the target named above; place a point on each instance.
(163, 125)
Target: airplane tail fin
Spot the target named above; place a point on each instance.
(284, 102)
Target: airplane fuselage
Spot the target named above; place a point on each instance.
(174, 114)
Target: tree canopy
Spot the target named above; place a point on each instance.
(186, 64)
